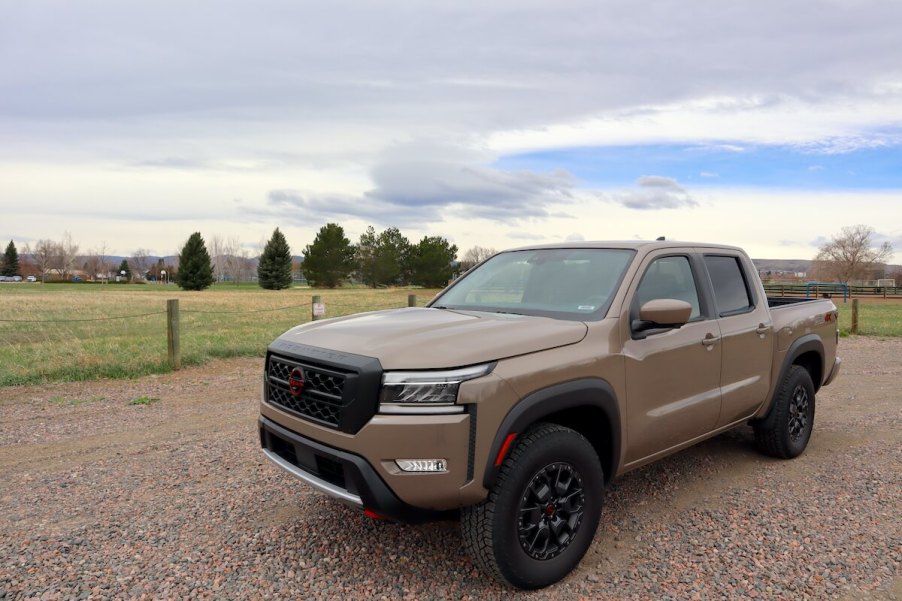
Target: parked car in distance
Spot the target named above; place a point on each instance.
(32, 278)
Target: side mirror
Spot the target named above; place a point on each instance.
(662, 313)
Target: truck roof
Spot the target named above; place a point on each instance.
(630, 244)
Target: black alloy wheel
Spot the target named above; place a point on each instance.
(551, 511)
(798, 413)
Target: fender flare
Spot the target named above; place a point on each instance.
(586, 392)
(804, 344)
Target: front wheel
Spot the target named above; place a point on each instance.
(541, 516)
(786, 431)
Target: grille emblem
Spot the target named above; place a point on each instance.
(296, 382)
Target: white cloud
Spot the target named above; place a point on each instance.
(655, 192)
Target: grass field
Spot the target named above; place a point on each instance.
(66, 332)
(876, 317)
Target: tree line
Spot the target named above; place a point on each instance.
(386, 258)
(62, 260)
(377, 260)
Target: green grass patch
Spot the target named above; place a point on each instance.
(875, 318)
(61, 400)
(144, 400)
(73, 332)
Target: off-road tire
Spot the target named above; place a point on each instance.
(785, 432)
(498, 538)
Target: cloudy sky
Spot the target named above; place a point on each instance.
(767, 124)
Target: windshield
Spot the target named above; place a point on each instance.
(566, 283)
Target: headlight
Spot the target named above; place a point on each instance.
(426, 391)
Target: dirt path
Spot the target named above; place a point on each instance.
(100, 498)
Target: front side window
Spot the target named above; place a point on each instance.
(565, 283)
(669, 277)
(730, 290)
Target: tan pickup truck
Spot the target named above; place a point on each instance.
(533, 380)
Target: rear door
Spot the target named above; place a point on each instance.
(672, 377)
(746, 334)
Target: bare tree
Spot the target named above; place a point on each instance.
(236, 260)
(850, 254)
(26, 261)
(474, 256)
(44, 253)
(216, 245)
(96, 263)
(139, 263)
(67, 250)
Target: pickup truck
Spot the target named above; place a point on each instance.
(533, 380)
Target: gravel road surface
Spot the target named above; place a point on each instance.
(103, 499)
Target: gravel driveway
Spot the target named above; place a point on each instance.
(104, 499)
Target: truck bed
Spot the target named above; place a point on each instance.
(776, 302)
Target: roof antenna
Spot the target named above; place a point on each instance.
(659, 238)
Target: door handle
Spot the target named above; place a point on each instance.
(710, 340)
(762, 329)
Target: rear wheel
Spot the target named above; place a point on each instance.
(786, 431)
(541, 516)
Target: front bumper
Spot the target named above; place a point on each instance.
(342, 475)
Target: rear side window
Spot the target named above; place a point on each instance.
(731, 292)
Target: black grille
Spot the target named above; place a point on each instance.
(340, 390)
(322, 398)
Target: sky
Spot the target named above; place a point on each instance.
(768, 124)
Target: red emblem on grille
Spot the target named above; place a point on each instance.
(296, 381)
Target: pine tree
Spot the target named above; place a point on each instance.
(330, 259)
(430, 262)
(195, 268)
(393, 254)
(366, 257)
(381, 259)
(128, 271)
(10, 263)
(274, 268)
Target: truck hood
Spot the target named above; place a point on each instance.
(419, 338)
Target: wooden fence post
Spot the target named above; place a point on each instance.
(411, 300)
(854, 315)
(316, 300)
(172, 333)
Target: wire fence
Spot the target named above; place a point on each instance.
(54, 337)
(46, 338)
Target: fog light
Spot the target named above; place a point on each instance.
(422, 465)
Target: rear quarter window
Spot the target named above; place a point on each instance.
(731, 290)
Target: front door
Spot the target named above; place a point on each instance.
(672, 377)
